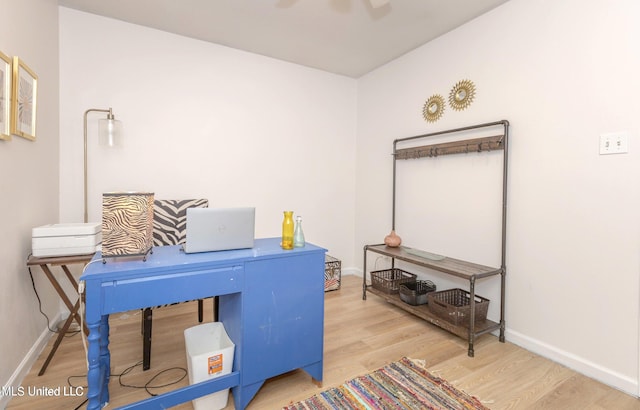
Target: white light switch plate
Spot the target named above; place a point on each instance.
(614, 143)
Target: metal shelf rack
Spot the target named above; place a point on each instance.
(459, 268)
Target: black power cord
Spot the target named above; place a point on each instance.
(147, 386)
(33, 285)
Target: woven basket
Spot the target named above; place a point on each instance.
(389, 280)
(453, 305)
(416, 293)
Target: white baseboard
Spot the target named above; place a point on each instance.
(352, 271)
(579, 364)
(27, 362)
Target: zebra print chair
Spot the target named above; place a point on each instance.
(169, 228)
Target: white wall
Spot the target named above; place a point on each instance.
(28, 187)
(202, 120)
(562, 73)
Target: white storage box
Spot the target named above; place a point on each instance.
(209, 354)
(66, 239)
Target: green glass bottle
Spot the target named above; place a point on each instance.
(287, 230)
(298, 235)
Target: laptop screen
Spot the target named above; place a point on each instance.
(219, 229)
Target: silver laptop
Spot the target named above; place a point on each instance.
(219, 229)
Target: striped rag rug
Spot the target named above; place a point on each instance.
(401, 385)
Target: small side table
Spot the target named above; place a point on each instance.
(62, 261)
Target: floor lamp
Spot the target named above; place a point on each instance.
(109, 134)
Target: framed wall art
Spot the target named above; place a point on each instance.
(5, 97)
(23, 101)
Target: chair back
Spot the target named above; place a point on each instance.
(170, 219)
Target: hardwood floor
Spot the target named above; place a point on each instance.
(360, 336)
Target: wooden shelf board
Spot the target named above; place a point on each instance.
(455, 267)
(423, 312)
(456, 147)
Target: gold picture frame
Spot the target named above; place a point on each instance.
(24, 100)
(5, 97)
(433, 108)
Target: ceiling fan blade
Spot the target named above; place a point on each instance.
(378, 3)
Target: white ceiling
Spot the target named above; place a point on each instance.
(348, 37)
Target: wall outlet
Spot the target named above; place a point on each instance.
(614, 143)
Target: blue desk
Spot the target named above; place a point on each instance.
(271, 305)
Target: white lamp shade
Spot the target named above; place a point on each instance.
(109, 132)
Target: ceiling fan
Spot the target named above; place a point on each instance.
(378, 3)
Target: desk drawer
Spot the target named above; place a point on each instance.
(127, 294)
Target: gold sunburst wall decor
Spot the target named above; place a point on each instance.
(433, 108)
(462, 95)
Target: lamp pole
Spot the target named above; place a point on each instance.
(110, 117)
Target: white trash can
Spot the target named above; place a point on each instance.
(209, 355)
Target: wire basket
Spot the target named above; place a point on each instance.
(415, 293)
(453, 305)
(389, 280)
(332, 274)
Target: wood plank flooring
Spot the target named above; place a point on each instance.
(360, 336)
